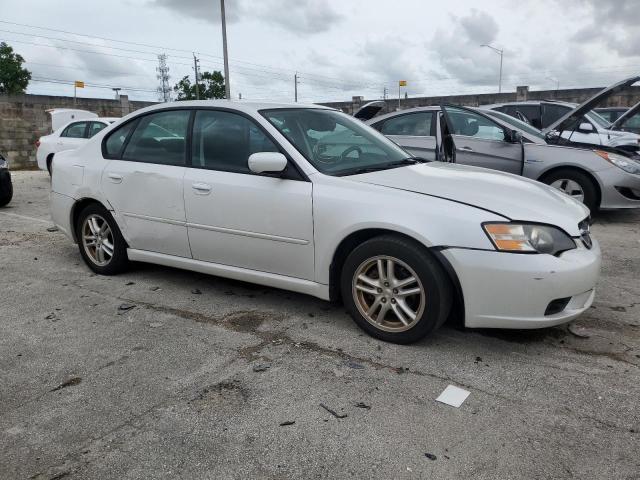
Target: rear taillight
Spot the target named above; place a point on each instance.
(37, 143)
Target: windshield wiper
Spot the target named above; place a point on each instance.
(384, 166)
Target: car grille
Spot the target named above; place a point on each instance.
(585, 234)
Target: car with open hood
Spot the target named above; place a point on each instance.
(569, 123)
(309, 199)
(598, 177)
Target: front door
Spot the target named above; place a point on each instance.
(144, 182)
(481, 142)
(242, 219)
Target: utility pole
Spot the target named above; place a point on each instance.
(295, 87)
(197, 75)
(117, 90)
(384, 93)
(164, 91)
(500, 52)
(227, 84)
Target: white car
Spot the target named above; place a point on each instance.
(69, 136)
(309, 199)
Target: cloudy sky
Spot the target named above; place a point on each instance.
(339, 48)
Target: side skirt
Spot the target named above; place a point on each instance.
(243, 274)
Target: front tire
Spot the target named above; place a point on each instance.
(395, 290)
(6, 188)
(576, 184)
(101, 244)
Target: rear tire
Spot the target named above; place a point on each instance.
(50, 163)
(377, 281)
(6, 191)
(101, 244)
(575, 183)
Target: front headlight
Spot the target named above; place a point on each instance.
(4, 163)
(528, 238)
(619, 161)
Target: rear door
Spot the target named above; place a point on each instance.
(143, 181)
(415, 132)
(481, 142)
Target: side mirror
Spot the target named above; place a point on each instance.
(267, 162)
(585, 127)
(513, 136)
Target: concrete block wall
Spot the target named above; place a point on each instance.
(23, 119)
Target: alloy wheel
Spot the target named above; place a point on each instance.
(97, 239)
(570, 187)
(388, 293)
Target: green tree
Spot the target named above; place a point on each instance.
(211, 85)
(13, 78)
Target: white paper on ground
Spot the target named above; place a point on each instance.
(453, 396)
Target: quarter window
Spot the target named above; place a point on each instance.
(75, 130)
(224, 141)
(159, 138)
(115, 140)
(95, 127)
(414, 124)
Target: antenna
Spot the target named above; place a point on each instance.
(164, 90)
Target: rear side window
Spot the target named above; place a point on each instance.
(75, 130)
(223, 141)
(95, 127)
(551, 113)
(159, 138)
(115, 141)
(414, 124)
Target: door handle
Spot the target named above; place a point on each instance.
(114, 177)
(201, 188)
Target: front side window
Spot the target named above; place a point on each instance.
(551, 113)
(224, 141)
(95, 127)
(413, 124)
(514, 122)
(335, 143)
(75, 130)
(159, 138)
(471, 124)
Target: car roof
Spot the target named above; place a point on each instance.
(529, 102)
(239, 105)
(403, 112)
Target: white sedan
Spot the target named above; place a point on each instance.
(69, 136)
(308, 199)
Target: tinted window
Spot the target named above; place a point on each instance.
(224, 141)
(95, 127)
(75, 130)
(471, 124)
(414, 124)
(531, 113)
(551, 113)
(116, 139)
(159, 138)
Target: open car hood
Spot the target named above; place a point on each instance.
(570, 120)
(510, 196)
(619, 123)
(369, 110)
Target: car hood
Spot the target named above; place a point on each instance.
(508, 195)
(568, 121)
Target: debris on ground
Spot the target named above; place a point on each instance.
(362, 405)
(430, 456)
(130, 283)
(69, 383)
(578, 331)
(196, 291)
(125, 307)
(261, 367)
(156, 324)
(354, 365)
(287, 423)
(51, 316)
(478, 360)
(52, 229)
(154, 289)
(333, 412)
(453, 396)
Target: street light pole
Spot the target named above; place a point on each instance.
(500, 52)
(227, 86)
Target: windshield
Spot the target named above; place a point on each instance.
(335, 143)
(519, 124)
(598, 119)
